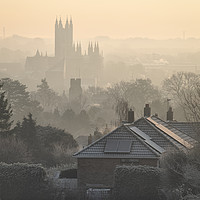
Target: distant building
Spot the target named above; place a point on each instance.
(75, 94)
(140, 142)
(69, 61)
(97, 135)
(75, 90)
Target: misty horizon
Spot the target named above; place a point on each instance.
(143, 18)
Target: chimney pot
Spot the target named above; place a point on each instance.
(131, 117)
(147, 111)
(170, 114)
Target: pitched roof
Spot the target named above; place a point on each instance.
(190, 128)
(157, 136)
(150, 138)
(139, 149)
(179, 136)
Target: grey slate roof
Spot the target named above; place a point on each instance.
(157, 136)
(190, 128)
(181, 134)
(139, 149)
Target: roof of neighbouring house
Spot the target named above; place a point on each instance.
(190, 128)
(147, 137)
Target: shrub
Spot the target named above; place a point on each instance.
(136, 182)
(174, 162)
(62, 154)
(23, 182)
(182, 172)
(13, 150)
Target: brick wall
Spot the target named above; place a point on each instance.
(100, 172)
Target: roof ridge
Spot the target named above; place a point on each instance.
(159, 131)
(175, 127)
(138, 120)
(148, 146)
(93, 143)
(191, 125)
(170, 133)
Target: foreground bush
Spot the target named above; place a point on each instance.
(23, 182)
(13, 150)
(136, 182)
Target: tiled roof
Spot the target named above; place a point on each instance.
(157, 136)
(190, 128)
(139, 149)
(159, 139)
(179, 133)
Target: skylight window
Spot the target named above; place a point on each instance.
(118, 146)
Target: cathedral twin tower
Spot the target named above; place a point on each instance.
(87, 66)
(64, 45)
(68, 61)
(63, 38)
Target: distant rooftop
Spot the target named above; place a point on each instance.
(147, 137)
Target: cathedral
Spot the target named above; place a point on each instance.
(69, 61)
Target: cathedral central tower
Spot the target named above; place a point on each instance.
(63, 38)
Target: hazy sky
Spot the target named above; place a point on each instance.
(114, 18)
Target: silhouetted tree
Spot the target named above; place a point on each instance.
(29, 136)
(5, 112)
(83, 119)
(69, 115)
(184, 89)
(121, 109)
(135, 93)
(19, 99)
(13, 150)
(56, 113)
(46, 96)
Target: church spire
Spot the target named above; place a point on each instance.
(79, 48)
(91, 47)
(96, 48)
(70, 20)
(60, 23)
(37, 53)
(67, 23)
(56, 23)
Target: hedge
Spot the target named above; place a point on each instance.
(136, 182)
(23, 182)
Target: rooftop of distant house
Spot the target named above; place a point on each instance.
(147, 137)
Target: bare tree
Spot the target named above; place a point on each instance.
(184, 88)
(118, 94)
(135, 94)
(121, 109)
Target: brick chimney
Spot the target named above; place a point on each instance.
(147, 111)
(131, 117)
(170, 114)
(90, 139)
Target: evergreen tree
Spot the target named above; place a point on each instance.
(5, 112)
(28, 130)
(29, 136)
(46, 96)
(19, 99)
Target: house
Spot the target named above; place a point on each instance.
(140, 142)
